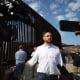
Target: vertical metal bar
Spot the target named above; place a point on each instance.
(6, 51)
(26, 35)
(3, 52)
(31, 38)
(32, 35)
(19, 32)
(27, 38)
(24, 32)
(35, 36)
(11, 44)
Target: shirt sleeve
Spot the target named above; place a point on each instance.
(34, 59)
(32, 54)
(60, 58)
(25, 54)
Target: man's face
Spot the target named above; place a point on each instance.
(47, 37)
(76, 50)
(34, 48)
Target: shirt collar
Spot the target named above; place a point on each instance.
(47, 46)
(20, 49)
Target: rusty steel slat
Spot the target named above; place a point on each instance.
(11, 46)
(35, 38)
(32, 35)
(27, 34)
(3, 54)
(28, 38)
(8, 51)
(24, 33)
(19, 32)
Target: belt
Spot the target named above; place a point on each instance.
(49, 74)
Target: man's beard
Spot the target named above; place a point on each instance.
(49, 42)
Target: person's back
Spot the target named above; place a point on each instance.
(20, 56)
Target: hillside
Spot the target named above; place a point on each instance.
(70, 47)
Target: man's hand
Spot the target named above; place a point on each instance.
(8, 75)
(4, 75)
(77, 32)
(78, 21)
(27, 65)
(13, 68)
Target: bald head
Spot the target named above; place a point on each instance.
(76, 50)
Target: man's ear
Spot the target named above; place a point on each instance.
(43, 38)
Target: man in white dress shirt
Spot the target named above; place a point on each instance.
(48, 57)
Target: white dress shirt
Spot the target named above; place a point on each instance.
(32, 54)
(48, 58)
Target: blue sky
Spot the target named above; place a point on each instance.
(54, 11)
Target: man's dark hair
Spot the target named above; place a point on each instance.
(61, 48)
(45, 33)
(20, 46)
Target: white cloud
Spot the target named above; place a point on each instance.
(67, 10)
(70, 14)
(57, 11)
(54, 12)
(78, 9)
(73, 19)
(35, 5)
(42, 14)
(59, 1)
(53, 6)
(29, 0)
(60, 17)
(65, 2)
(74, 5)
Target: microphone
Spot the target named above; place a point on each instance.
(62, 70)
